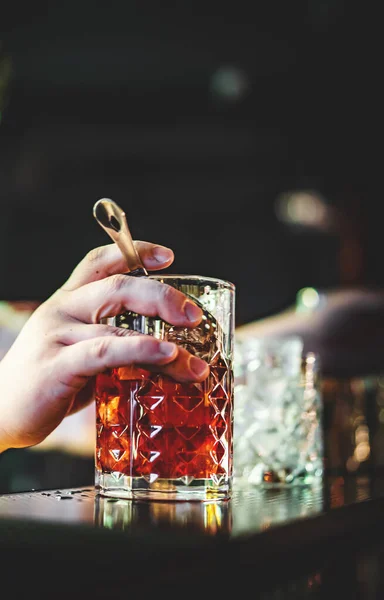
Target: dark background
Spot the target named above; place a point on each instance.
(195, 118)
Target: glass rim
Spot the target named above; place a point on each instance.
(195, 279)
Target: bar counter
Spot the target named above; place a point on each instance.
(303, 542)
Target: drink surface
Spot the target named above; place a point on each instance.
(152, 427)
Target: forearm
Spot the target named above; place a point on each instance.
(287, 323)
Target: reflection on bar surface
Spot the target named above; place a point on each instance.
(126, 515)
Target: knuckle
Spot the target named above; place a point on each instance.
(124, 332)
(169, 294)
(149, 345)
(118, 282)
(99, 349)
(144, 344)
(47, 308)
(146, 347)
(96, 254)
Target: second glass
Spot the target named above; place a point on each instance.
(278, 421)
(157, 438)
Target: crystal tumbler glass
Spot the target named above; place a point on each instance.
(278, 434)
(160, 439)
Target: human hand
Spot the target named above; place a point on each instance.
(48, 373)
(347, 332)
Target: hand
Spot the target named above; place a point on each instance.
(347, 332)
(48, 373)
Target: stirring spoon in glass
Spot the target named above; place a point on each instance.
(113, 220)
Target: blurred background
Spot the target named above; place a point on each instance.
(241, 136)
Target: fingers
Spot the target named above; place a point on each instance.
(114, 295)
(184, 368)
(92, 356)
(79, 333)
(108, 260)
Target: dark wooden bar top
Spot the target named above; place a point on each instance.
(303, 542)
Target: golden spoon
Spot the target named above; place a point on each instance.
(113, 220)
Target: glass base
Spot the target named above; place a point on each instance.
(116, 485)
